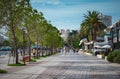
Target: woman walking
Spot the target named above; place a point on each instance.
(65, 50)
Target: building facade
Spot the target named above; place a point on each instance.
(64, 34)
(105, 19)
(113, 31)
(1, 39)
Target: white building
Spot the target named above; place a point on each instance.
(1, 39)
(114, 31)
(64, 34)
(107, 20)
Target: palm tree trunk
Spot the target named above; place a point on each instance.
(92, 34)
(95, 35)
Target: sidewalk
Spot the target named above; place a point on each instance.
(71, 66)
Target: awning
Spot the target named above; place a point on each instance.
(89, 43)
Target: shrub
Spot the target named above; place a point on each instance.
(32, 60)
(111, 56)
(117, 58)
(3, 71)
(19, 64)
(117, 45)
(90, 51)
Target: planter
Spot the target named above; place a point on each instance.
(101, 56)
(88, 54)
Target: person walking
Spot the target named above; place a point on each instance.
(34, 52)
(65, 50)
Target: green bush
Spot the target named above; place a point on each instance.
(111, 56)
(32, 60)
(19, 64)
(90, 51)
(114, 57)
(117, 58)
(3, 71)
(117, 45)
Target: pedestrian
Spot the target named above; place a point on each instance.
(34, 52)
(65, 50)
(19, 51)
(74, 50)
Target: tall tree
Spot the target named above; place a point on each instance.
(11, 17)
(92, 25)
(73, 39)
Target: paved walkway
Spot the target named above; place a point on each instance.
(71, 66)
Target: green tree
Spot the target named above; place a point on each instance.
(18, 14)
(11, 16)
(73, 39)
(30, 22)
(92, 26)
(52, 37)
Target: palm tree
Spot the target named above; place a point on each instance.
(91, 26)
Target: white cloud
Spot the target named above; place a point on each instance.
(63, 12)
(65, 16)
(67, 25)
(52, 2)
(69, 11)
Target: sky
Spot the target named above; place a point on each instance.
(68, 14)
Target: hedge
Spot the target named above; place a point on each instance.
(3, 71)
(114, 57)
(117, 58)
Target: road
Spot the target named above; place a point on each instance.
(71, 66)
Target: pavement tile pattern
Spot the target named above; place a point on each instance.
(70, 66)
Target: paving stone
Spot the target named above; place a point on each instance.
(71, 66)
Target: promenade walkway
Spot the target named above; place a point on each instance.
(71, 66)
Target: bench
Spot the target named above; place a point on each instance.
(26, 58)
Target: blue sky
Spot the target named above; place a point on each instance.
(68, 14)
